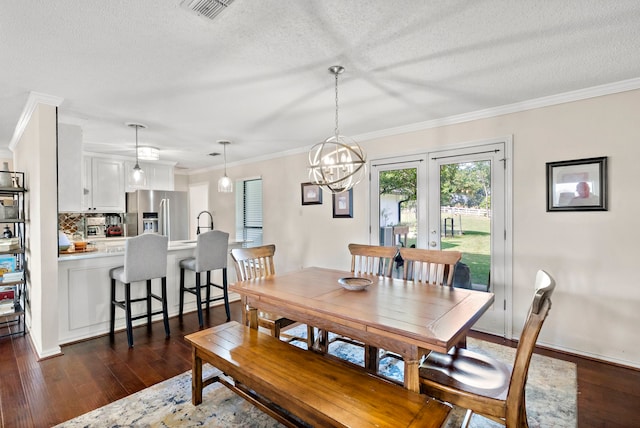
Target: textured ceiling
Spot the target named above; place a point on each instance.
(257, 74)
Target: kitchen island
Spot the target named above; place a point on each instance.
(84, 288)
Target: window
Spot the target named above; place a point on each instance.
(249, 212)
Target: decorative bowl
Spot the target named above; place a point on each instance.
(355, 283)
(63, 247)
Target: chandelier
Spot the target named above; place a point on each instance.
(137, 173)
(338, 163)
(225, 185)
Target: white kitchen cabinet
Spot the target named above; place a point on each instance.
(69, 168)
(103, 185)
(162, 178)
(156, 177)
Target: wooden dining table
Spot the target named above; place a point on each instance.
(400, 316)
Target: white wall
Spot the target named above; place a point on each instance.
(592, 255)
(35, 155)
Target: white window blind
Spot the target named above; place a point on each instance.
(252, 211)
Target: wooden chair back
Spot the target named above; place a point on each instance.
(429, 266)
(538, 312)
(482, 384)
(372, 259)
(254, 262)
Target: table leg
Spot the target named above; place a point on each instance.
(321, 342)
(196, 379)
(371, 359)
(412, 370)
(252, 316)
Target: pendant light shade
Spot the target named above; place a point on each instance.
(148, 153)
(225, 185)
(137, 173)
(338, 163)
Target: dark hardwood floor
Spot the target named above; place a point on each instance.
(96, 372)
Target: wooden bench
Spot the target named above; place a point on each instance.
(298, 387)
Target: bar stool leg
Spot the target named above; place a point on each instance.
(199, 300)
(149, 304)
(112, 320)
(127, 310)
(165, 311)
(226, 294)
(181, 292)
(208, 284)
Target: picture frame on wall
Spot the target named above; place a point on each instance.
(311, 194)
(577, 185)
(343, 204)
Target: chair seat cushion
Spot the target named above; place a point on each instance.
(117, 273)
(467, 371)
(189, 263)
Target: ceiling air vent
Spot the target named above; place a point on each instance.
(206, 8)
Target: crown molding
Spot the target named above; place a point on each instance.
(567, 97)
(33, 100)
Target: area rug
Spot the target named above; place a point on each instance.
(551, 398)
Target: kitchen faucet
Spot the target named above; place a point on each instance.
(198, 221)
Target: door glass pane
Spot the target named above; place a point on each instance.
(465, 218)
(398, 208)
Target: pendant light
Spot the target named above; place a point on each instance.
(137, 174)
(338, 163)
(148, 153)
(225, 185)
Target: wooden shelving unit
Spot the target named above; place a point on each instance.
(12, 215)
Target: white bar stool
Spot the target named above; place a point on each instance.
(145, 258)
(212, 251)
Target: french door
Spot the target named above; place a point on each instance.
(452, 199)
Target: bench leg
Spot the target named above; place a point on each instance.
(196, 379)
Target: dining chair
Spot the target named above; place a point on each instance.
(257, 262)
(145, 258)
(429, 266)
(372, 259)
(482, 384)
(366, 260)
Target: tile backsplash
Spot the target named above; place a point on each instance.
(72, 223)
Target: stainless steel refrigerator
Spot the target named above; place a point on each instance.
(158, 211)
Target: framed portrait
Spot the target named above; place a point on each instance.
(343, 204)
(577, 185)
(311, 194)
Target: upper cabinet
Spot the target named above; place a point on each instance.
(69, 168)
(103, 185)
(157, 176)
(92, 182)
